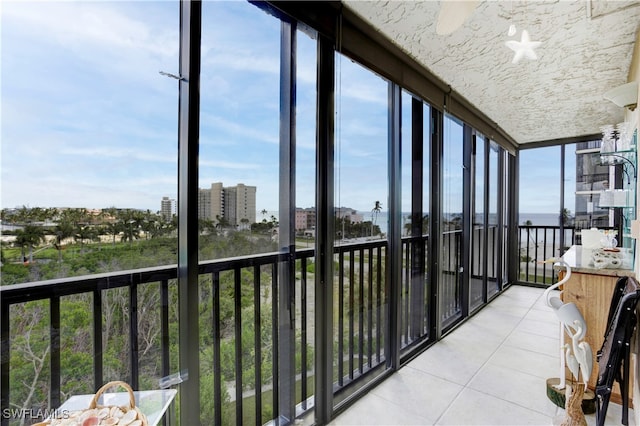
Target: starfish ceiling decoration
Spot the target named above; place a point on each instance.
(523, 48)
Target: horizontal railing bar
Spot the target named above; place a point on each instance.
(351, 247)
(370, 315)
(20, 293)
(25, 292)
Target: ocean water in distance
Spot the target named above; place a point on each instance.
(382, 219)
(540, 219)
(537, 219)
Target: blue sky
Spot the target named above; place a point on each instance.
(88, 121)
(540, 180)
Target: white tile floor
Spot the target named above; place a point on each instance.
(492, 370)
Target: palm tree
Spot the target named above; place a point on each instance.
(206, 226)
(222, 222)
(83, 233)
(150, 224)
(130, 231)
(63, 230)
(111, 224)
(377, 207)
(528, 224)
(130, 222)
(20, 240)
(566, 216)
(30, 236)
(113, 229)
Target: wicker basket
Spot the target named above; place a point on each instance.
(107, 415)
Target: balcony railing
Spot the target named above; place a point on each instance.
(538, 243)
(135, 312)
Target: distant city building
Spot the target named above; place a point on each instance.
(167, 208)
(211, 202)
(305, 218)
(235, 204)
(592, 178)
(349, 214)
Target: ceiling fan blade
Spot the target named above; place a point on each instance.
(453, 14)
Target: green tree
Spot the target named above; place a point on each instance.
(22, 216)
(566, 217)
(222, 222)
(377, 208)
(63, 230)
(130, 221)
(425, 224)
(151, 224)
(206, 226)
(113, 229)
(29, 355)
(85, 233)
(263, 227)
(29, 237)
(528, 224)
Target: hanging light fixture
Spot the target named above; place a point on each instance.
(625, 96)
(453, 14)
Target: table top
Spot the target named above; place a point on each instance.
(581, 260)
(152, 403)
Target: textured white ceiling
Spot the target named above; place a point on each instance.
(557, 96)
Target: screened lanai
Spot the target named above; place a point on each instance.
(389, 159)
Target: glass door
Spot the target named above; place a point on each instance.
(361, 223)
(452, 220)
(478, 228)
(493, 221)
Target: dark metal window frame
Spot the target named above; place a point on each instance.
(188, 146)
(336, 25)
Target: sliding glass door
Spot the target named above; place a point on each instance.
(452, 221)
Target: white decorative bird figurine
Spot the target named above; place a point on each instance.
(578, 356)
(572, 362)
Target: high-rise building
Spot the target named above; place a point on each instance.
(592, 178)
(240, 204)
(167, 208)
(235, 204)
(211, 202)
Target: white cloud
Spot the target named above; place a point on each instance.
(130, 154)
(238, 132)
(88, 121)
(77, 24)
(61, 192)
(228, 165)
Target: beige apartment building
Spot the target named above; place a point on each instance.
(236, 204)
